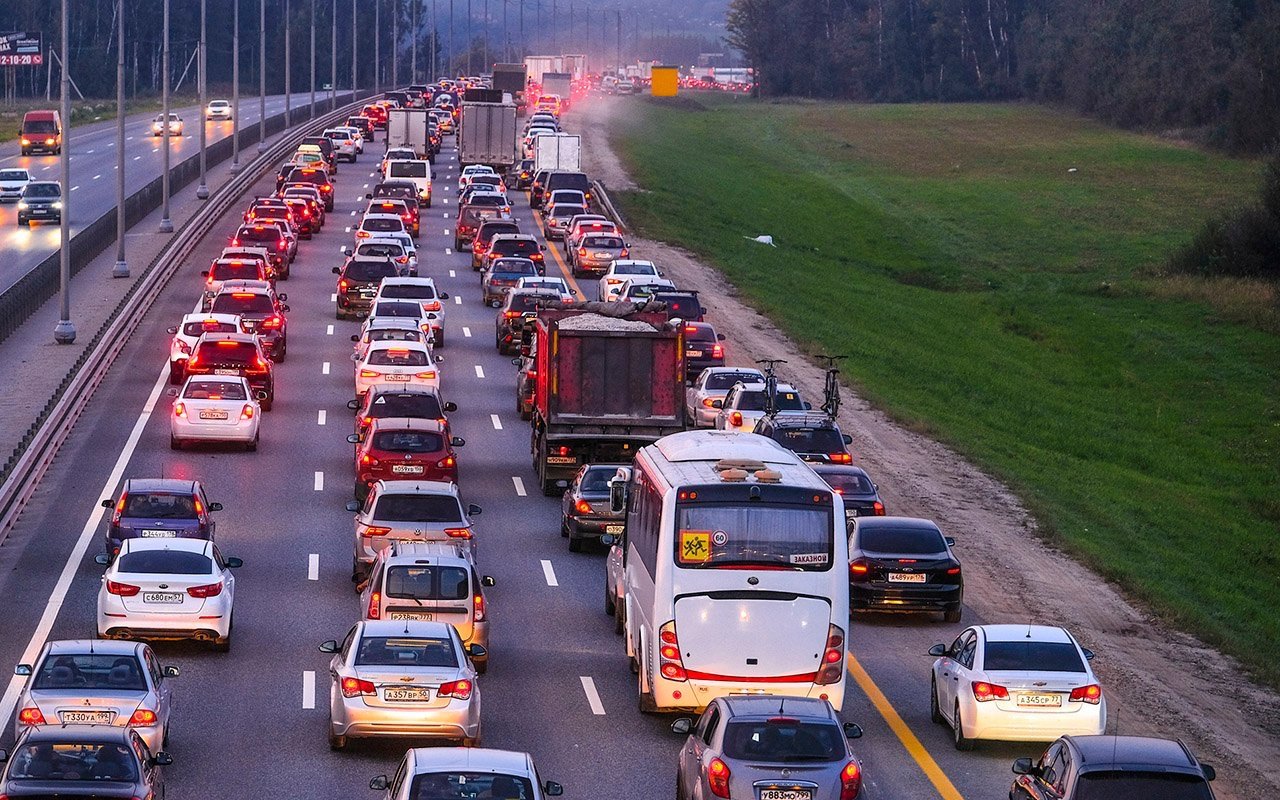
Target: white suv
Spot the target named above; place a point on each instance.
(420, 511)
(344, 145)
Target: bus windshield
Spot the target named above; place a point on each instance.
(728, 536)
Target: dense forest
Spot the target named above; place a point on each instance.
(1207, 68)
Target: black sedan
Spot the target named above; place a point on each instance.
(860, 494)
(903, 564)
(585, 512)
(91, 761)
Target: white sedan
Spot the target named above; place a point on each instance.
(218, 109)
(168, 589)
(175, 125)
(12, 182)
(404, 363)
(620, 272)
(465, 772)
(215, 408)
(1016, 683)
(403, 679)
(557, 285)
(396, 329)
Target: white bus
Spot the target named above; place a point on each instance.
(735, 572)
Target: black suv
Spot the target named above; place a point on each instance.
(1082, 767)
(358, 281)
(814, 437)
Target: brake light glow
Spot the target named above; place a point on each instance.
(850, 781)
(832, 669)
(206, 590)
(460, 689)
(859, 569)
(143, 717)
(1089, 693)
(430, 375)
(375, 605)
(30, 716)
(342, 285)
(458, 533)
(670, 665)
(735, 419)
(368, 373)
(582, 507)
(718, 777)
(179, 410)
(122, 589)
(985, 692)
(877, 508)
(447, 462)
(717, 351)
(354, 687)
(841, 458)
(246, 412)
(376, 530)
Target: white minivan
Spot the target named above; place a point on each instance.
(416, 170)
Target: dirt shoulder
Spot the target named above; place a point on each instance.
(1159, 681)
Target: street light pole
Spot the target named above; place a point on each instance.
(377, 45)
(65, 332)
(486, 36)
(262, 75)
(355, 28)
(202, 189)
(313, 58)
(413, 34)
(395, 44)
(121, 269)
(434, 72)
(166, 224)
(333, 57)
(471, 38)
(288, 68)
(235, 87)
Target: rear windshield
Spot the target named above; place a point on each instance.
(380, 250)
(223, 271)
(515, 247)
(370, 270)
(410, 291)
(394, 335)
(849, 483)
(225, 352)
(790, 741)
(90, 671)
(1032, 657)
(408, 169)
(634, 269)
(409, 442)
(492, 180)
(73, 762)
(565, 211)
(684, 307)
(380, 225)
(397, 310)
(514, 266)
(906, 541)
(242, 303)
(418, 508)
(569, 180)
(602, 241)
(197, 328)
(726, 380)
(754, 401)
(487, 200)
(1141, 786)
(13, 175)
(733, 536)
(214, 390)
(528, 302)
(159, 505)
(487, 231)
(271, 212)
(406, 404)
(166, 562)
(260, 233)
(300, 175)
(394, 357)
(596, 481)
(699, 333)
(809, 440)
(427, 582)
(383, 651)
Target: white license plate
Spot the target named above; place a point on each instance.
(1039, 700)
(226, 372)
(562, 460)
(785, 794)
(394, 377)
(402, 694)
(401, 615)
(155, 533)
(693, 353)
(613, 529)
(604, 256)
(406, 469)
(213, 413)
(906, 577)
(86, 717)
(165, 598)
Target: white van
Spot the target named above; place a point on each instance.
(415, 170)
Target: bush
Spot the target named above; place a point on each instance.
(1244, 243)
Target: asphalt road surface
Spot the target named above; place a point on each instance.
(249, 723)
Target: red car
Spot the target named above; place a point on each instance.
(404, 448)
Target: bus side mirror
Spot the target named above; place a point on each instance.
(618, 490)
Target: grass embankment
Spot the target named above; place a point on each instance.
(994, 298)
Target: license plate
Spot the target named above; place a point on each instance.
(1039, 700)
(394, 377)
(693, 354)
(604, 256)
(405, 694)
(166, 598)
(613, 529)
(226, 372)
(86, 717)
(158, 533)
(400, 615)
(906, 577)
(406, 469)
(213, 413)
(248, 324)
(785, 794)
(562, 460)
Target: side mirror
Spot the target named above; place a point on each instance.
(172, 330)
(329, 646)
(718, 403)
(161, 759)
(1023, 766)
(285, 308)
(283, 296)
(449, 408)
(204, 273)
(950, 540)
(108, 503)
(852, 730)
(846, 438)
(439, 358)
(1088, 654)
(682, 726)
(807, 405)
(1210, 774)
(938, 650)
(457, 441)
(336, 270)
(172, 672)
(720, 336)
(353, 506)
(552, 789)
(233, 563)
(354, 338)
(444, 295)
(495, 304)
(4, 756)
(488, 580)
(515, 362)
(542, 247)
(368, 195)
(354, 405)
(618, 490)
(215, 506)
(171, 392)
(355, 438)
(477, 652)
(474, 510)
(379, 784)
(22, 669)
(102, 559)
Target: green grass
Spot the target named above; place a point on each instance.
(1014, 309)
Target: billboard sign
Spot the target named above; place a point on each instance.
(21, 49)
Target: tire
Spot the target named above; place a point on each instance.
(457, 243)
(284, 352)
(336, 742)
(619, 619)
(610, 604)
(576, 544)
(360, 491)
(175, 376)
(252, 447)
(564, 528)
(26, 223)
(935, 713)
(550, 489)
(644, 701)
(957, 728)
(440, 338)
(174, 443)
(223, 645)
(952, 614)
(268, 402)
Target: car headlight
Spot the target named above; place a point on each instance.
(57, 204)
(23, 204)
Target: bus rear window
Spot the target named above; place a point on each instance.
(779, 536)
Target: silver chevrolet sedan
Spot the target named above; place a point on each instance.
(407, 679)
(80, 681)
(703, 399)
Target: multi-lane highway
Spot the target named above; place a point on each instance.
(93, 172)
(253, 722)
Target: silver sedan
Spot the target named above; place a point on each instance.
(101, 683)
(703, 399)
(403, 679)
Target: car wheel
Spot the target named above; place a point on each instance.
(268, 402)
(644, 700)
(284, 352)
(174, 443)
(471, 742)
(223, 645)
(957, 728)
(935, 713)
(457, 244)
(564, 528)
(550, 489)
(361, 492)
(26, 223)
(610, 604)
(252, 447)
(619, 618)
(952, 614)
(175, 375)
(439, 338)
(575, 544)
(336, 742)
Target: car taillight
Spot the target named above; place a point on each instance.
(984, 692)
(859, 570)
(326, 188)
(362, 234)
(430, 375)
(434, 305)
(375, 605)
(735, 419)
(115, 516)
(1089, 693)
(832, 669)
(582, 507)
(718, 777)
(144, 717)
(717, 351)
(850, 781)
(478, 602)
(877, 508)
(511, 314)
(458, 533)
(531, 374)
(273, 322)
(369, 461)
(841, 458)
(368, 373)
(376, 530)
(179, 410)
(246, 412)
(354, 687)
(30, 716)
(206, 590)
(670, 665)
(235, 242)
(582, 253)
(447, 462)
(625, 253)
(342, 285)
(460, 690)
(122, 589)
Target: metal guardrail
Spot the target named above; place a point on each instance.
(607, 204)
(35, 452)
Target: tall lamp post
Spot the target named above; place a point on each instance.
(202, 189)
(166, 224)
(313, 58)
(288, 69)
(235, 87)
(262, 75)
(355, 26)
(121, 269)
(65, 332)
(333, 56)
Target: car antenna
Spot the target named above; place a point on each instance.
(1028, 630)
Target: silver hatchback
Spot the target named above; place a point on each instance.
(768, 748)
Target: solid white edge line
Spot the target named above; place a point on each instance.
(63, 585)
(308, 689)
(593, 697)
(497, 423)
(549, 573)
(520, 492)
(319, 481)
(313, 567)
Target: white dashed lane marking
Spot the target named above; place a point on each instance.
(319, 481)
(324, 368)
(497, 423)
(593, 697)
(549, 573)
(466, 332)
(321, 417)
(309, 689)
(519, 486)
(479, 371)
(313, 567)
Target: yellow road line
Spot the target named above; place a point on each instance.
(946, 789)
(555, 252)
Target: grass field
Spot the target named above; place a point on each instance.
(994, 274)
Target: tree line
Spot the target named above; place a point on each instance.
(1210, 68)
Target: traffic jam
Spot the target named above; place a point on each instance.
(729, 532)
